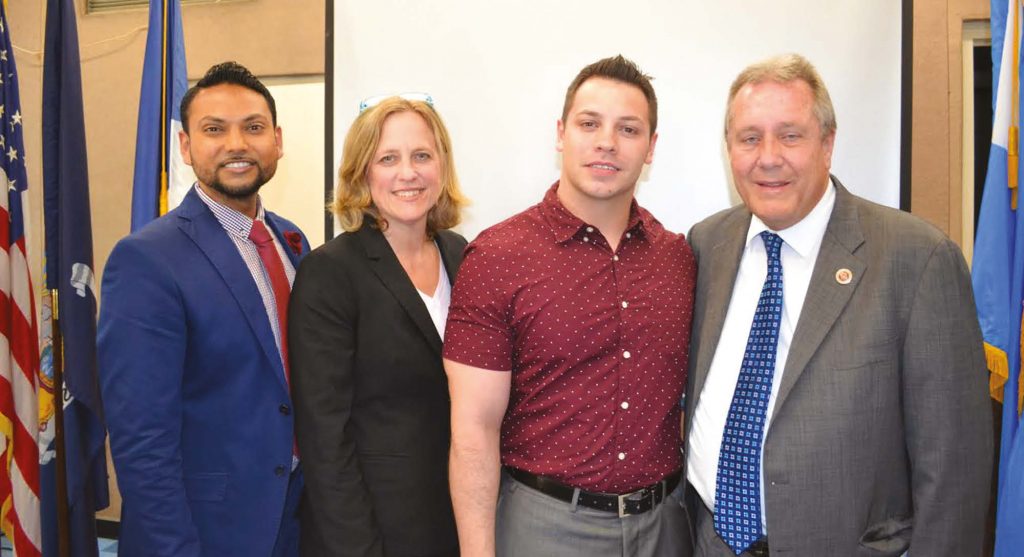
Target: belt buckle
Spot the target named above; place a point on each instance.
(622, 504)
(640, 495)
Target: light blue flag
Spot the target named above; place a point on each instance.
(998, 277)
(161, 177)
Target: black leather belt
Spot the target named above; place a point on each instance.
(637, 502)
(758, 548)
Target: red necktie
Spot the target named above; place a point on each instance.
(278, 281)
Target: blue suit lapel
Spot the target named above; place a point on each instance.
(278, 227)
(202, 227)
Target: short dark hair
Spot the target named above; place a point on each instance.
(232, 73)
(620, 69)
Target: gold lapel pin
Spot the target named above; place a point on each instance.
(844, 276)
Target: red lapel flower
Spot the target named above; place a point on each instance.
(294, 241)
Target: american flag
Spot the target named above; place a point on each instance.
(19, 348)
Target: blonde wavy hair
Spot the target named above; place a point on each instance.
(353, 203)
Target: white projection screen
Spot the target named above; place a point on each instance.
(498, 72)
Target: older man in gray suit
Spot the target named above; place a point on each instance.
(837, 400)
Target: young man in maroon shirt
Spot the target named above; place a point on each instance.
(566, 350)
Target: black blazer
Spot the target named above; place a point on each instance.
(371, 402)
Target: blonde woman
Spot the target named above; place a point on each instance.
(366, 323)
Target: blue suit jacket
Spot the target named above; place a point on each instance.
(194, 391)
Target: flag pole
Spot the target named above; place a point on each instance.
(1013, 139)
(63, 514)
(1012, 175)
(163, 114)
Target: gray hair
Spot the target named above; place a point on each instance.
(785, 68)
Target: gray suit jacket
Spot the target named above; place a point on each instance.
(881, 437)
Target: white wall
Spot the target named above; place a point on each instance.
(498, 73)
(296, 191)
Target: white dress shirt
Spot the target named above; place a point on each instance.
(801, 243)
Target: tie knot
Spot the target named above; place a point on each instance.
(259, 234)
(772, 244)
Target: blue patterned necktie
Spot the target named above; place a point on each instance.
(738, 486)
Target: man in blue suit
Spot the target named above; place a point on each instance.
(193, 346)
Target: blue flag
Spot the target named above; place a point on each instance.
(998, 272)
(69, 270)
(161, 177)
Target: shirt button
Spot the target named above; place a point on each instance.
(628, 235)
(624, 405)
(279, 471)
(590, 229)
(284, 409)
(585, 239)
(625, 304)
(622, 456)
(615, 258)
(626, 354)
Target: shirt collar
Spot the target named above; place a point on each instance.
(803, 236)
(233, 221)
(566, 225)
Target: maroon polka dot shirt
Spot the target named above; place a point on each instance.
(596, 341)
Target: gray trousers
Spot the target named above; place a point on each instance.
(531, 524)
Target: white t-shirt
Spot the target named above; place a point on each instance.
(437, 304)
